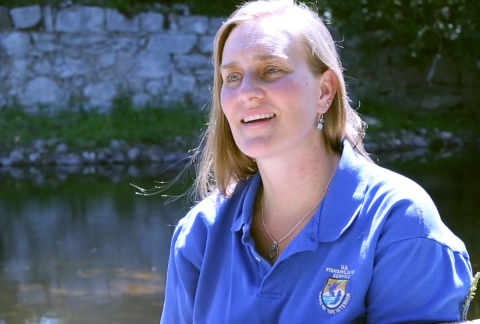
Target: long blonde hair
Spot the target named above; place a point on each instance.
(222, 164)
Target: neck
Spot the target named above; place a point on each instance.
(297, 190)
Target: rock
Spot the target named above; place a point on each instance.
(79, 19)
(5, 162)
(171, 158)
(152, 66)
(133, 153)
(50, 143)
(20, 69)
(444, 135)
(3, 100)
(124, 63)
(26, 17)
(45, 42)
(135, 85)
(156, 87)
(419, 141)
(182, 84)
(214, 24)
(43, 67)
(106, 59)
(34, 157)
(190, 24)
(153, 154)
(61, 148)
(205, 44)
(68, 159)
(166, 43)
(118, 22)
(140, 100)
(16, 43)
(371, 147)
(5, 23)
(126, 43)
(41, 90)
(371, 121)
(115, 144)
(100, 94)
(180, 8)
(152, 21)
(118, 157)
(48, 19)
(15, 157)
(38, 145)
(103, 155)
(83, 40)
(89, 156)
(188, 63)
(67, 67)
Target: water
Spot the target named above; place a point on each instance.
(80, 247)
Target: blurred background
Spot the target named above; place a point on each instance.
(97, 95)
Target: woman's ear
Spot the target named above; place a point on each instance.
(328, 88)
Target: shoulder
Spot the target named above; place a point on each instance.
(406, 209)
(196, 223)
(212, 215)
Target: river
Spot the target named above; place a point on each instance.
(77, 246)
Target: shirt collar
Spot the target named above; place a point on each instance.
(244, 212)
(345, 195)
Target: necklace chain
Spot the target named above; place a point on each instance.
(275, 249)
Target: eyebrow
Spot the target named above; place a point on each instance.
(265, 57)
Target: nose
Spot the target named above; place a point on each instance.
(250, 88)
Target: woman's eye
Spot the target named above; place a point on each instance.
(233, 78)
(271, 70)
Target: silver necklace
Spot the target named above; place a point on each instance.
(275, 249)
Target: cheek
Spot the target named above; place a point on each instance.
(296, 92)
(226, 101)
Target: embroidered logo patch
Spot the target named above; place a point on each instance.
(334, 292)
(334, 296)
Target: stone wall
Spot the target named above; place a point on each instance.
(66, 56)
(90, 55)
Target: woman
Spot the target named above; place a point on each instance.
(297, 225)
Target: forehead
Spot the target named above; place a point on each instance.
(265, 36)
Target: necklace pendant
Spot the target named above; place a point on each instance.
(275, 250)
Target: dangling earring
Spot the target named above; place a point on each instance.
(320, 122)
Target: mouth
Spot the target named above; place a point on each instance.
(256, 118)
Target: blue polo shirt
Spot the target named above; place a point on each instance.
(376, 251)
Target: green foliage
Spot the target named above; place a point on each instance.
(426, 27)
(146, 125)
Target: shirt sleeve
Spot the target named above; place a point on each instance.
(422, 272)
(418, 281)
(186, 255)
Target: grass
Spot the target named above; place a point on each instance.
(149, 125)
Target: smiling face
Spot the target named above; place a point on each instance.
(269, 96)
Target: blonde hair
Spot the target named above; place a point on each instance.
(222, 164)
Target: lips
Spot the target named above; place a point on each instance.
(256, 118)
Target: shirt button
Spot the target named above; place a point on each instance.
(312, 237)
(258, 259)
